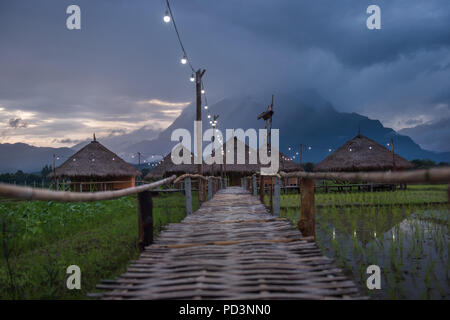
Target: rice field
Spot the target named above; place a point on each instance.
(39, 240)
(403, 232)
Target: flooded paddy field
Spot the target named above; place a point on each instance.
(409, 242)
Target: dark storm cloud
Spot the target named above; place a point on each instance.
(17, 123)
(125, 54)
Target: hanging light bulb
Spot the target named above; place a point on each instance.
(184, 60)
(192, 78)
(203, 91)
(209, 116)
(206, 107)
(167, 17)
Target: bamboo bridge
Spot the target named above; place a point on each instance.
(231, 248)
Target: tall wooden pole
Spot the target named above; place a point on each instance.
(198, 86)
(301, 155)
(299, 179)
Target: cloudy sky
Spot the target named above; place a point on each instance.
(121, 71)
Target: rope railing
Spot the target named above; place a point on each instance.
(27, 193)
(433, 176)
(306, 181)
(195, 176)
(144, 195)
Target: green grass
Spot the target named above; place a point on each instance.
(418, 194)
(43, 238)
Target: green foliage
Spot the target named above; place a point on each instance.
(39, 240)
(426, 164)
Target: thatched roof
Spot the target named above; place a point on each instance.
(167, 167)
(362, 154)
(95, 160)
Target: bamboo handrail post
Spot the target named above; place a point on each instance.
(210, 191)
(277, 195)
(261, 189)
(188, 192)
(145, 222)
(306, 223)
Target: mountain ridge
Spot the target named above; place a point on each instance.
(303, 118)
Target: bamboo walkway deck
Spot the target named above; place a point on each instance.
(231, 248)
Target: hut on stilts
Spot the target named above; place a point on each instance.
(364, 154)
(232, 170)
(96, 168)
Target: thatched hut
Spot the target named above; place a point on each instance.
(363, 154)
(233, 171)
(95, 168)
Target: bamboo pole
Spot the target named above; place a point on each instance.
(188, 192)
(26, 193)
(434, 175)
(277, 195)
(261, 189)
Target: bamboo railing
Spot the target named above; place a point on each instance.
(306, 223)
(144, 194)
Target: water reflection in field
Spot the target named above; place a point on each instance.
(410, 244)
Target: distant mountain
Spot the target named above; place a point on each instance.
(120, 143)
(303, 118)
(436, 136)
(21, 156)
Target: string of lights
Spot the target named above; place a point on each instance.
(292, 155)
(169, 17)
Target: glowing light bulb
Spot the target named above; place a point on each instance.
(209, 116)
(329, 150)
(166, 17)
(309, 148)
(206, 107)
(203, 91)
(192, 79)
(184, 60)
